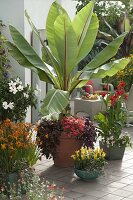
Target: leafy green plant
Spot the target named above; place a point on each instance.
(69, 42)
(112, 120)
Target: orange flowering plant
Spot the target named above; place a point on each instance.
(16, 146)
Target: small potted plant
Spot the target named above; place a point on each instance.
(111, 122)
(89, 163)
(61, 138)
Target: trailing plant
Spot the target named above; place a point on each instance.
(69, 42)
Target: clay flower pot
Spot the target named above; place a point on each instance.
(65, 149)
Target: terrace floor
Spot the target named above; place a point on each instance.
(116, 183)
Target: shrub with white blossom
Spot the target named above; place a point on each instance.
(15, 99)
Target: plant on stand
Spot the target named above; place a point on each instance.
(89, 163)
(111, 122)
(69, 42)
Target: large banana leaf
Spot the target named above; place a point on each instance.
(55, 102)
(85, 25)
(90, 38)
(26, 49)
(82, 21)
(47, 56)
(54, 12)
(106, 54)
(108, 69)
(66, 44)
(22, 60)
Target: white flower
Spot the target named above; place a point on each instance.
(5, 105)
(12, 84)
(18, 81)
(11, 105)
(20, 87)
(13, 89)
(26, 95)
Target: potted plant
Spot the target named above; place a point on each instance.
(111, 122)
(53, 135)
(69, 42)
(89, 163)
(17, 149)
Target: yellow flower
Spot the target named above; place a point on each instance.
(103, 155)
(3, 146)
(46, 136)
(74, 157)
(95, 156)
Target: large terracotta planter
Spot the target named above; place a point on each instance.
(65, 149)
(113, 152)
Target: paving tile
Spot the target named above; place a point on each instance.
(130, 197)
(122, 193)
(111, 197)
(126, 181)
(128, 188)
(96, 193)
(117, 184)
(86, 197)
(72, 194)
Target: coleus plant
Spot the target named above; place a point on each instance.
(69, 42)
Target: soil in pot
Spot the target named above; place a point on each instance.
(65, 149)
(114, 152)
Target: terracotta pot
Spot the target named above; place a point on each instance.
(65, 149)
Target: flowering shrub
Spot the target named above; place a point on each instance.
(89, 159)
(16, 145)
(15, 99)
(49, 132)
(112, 120)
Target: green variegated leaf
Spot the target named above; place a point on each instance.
(107, 53)
(55, 102)
(108, 69)
(66, 43)
(22, 60)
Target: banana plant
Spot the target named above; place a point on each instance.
(69, 42)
